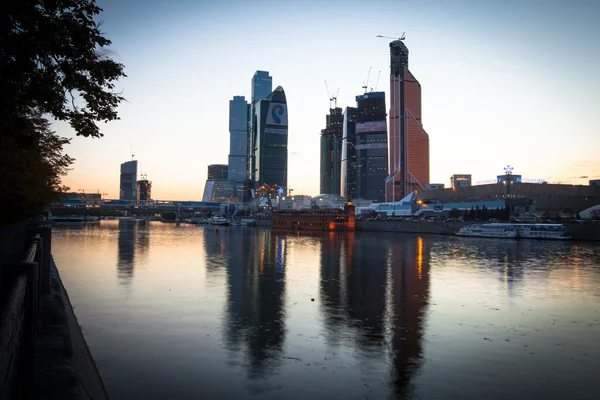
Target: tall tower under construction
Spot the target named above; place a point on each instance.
(408, 141)
(331, 152)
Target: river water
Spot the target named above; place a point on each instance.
(189, 312)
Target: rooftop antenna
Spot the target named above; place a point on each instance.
(389, 37)
(131, 148)
(366, 84)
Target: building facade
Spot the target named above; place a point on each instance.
(331, 152)
(595, 182)
(408, 141)
(262, 85)
(219, 190)
(348, 163)
(238, 139)
(460, 181)
(268, 140)
(371, 146)
(144, 189)
(128, 181)
(218, 171)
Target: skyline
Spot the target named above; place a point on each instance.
(501, 83)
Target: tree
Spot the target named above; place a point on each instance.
(52, 64)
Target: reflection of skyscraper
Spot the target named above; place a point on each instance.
(408, 143)
(255, 318)
(126, 250)
(128, 181)
(331, 152)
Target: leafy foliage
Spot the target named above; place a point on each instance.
(52, 63)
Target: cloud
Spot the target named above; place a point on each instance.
(579, 177)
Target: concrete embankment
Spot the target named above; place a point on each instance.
(64, 367)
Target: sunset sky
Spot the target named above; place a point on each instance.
(510, 82)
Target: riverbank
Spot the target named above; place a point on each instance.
(64, 366)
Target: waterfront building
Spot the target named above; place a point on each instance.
(268, 140)
(218, 171)
(408, 140)
(595, 182)
(128, 181)
(297, 202)
(331, 152)
(371, 146)
(219, 190)
(328, 201)
(144, 189)
(348, 162)
(460, 181)
(262, 85)
(238, 140)
(433, 186)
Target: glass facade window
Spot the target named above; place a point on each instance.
(262, 85)
(238, 139)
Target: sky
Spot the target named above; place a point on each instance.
(503, 83)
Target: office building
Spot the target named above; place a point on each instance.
(348, 164)
(371, 146)
(219, 190)
(331, 152)
(262, 85)
(408, 141)
(434, 186)
(218, 171)
(144, 189)
(268, 140)
(238, 140)
(460, 181)
(595, 182)
(128, 182)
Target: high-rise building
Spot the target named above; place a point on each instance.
(331, 152)
(218, 171)
(238, 139)
(144, 189)
(128, 183)
(371, 146)
(268, 140)
(262, 85)
(408, 141)
(348, 164)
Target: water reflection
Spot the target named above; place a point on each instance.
(133, 239)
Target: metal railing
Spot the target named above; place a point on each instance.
(22, 285)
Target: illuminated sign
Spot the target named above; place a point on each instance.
(277, 114)
(370, 127)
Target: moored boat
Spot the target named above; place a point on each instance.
(489, 230)
(516, 230)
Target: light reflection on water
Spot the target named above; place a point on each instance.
(191, 312)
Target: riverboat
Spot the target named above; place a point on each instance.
(219, 221)
(330, 219)
(516, 230)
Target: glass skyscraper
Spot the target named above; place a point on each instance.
(331, 152)
(262, 85)
(128, 181)
(348, 165)
(238, 139)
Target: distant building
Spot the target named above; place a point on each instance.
(371, 146)
(460, 181)
(268, 141)
(408, 141)
(238, 140)
(595, 182)
(262, 85)
(331, 152)
(348, 162)
(128, 182)
(218, 171)
(433, 186)
(328, 201)
(144, 189)
(219, 190)
(83, 195)
(299, 202)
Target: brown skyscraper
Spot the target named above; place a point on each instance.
(408, 142)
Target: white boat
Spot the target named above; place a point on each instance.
(520, 231)
(219, 221)
(507, 231)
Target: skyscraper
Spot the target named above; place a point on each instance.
(128, 182)
(331, 152)
(217, 171)
(348, 165)
(408, 142)
(268, 140)
(262, 85)
(217, 187)
(238, 139)
(371, 146)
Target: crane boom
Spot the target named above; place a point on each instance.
(389, 37)
(377, 83)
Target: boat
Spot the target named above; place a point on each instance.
(329, 219)
(516, 231)
(219, 221)
(507, 231)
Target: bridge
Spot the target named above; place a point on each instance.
(139, 206)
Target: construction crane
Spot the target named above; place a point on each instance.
(377, 83)
(388, 37)
(131, 148)
(366, 84)
(332, 98)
